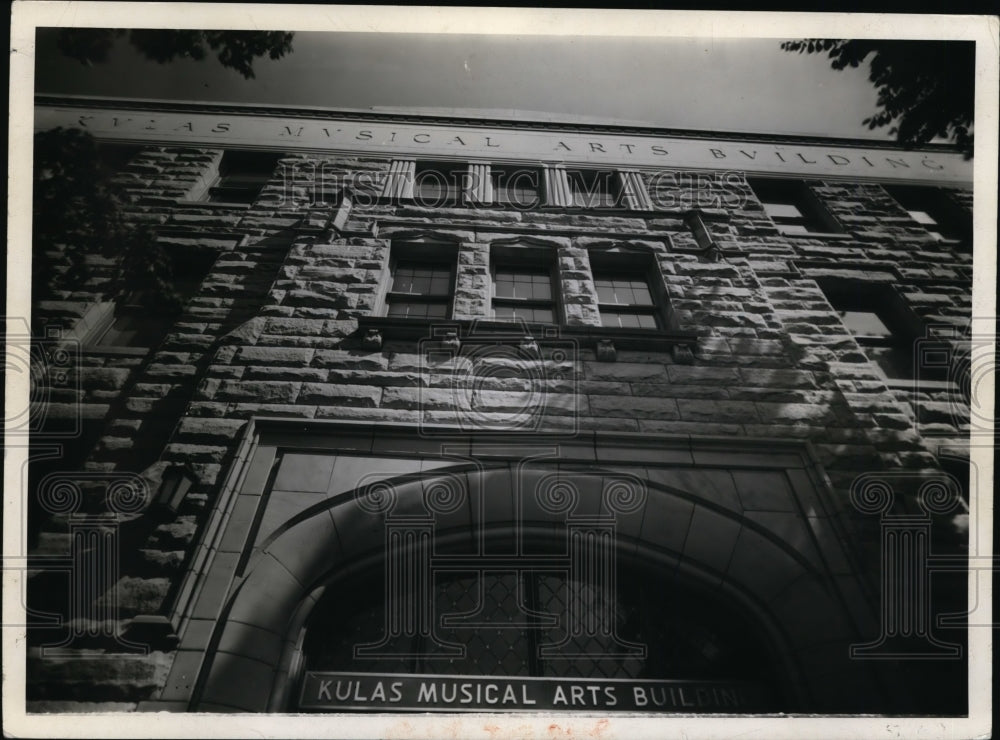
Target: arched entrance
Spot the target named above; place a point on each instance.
(662, 643)
(481, 565)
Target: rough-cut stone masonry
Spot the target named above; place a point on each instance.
(272, 331)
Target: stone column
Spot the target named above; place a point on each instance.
(399, 182)
(634, 191)
(479, 188)
(557, 190)
(576, 285)
(472, 282)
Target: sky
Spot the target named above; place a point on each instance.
(741, 85)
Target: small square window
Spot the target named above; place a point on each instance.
(242, 176)
(516, 186)
(439, 183)
(879, 321)
(595, 188)
(791, 207)
(929, 208)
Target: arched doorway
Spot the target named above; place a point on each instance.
(665, 644)
(723, 565)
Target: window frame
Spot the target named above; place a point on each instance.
(189, 268)
(241, 172)
(538, 197)
(640, 266)
(612, 188)
(525, 267)
(433, 258)
(152, 329)
(904, 326)
(948, 227)
(813, 217)
(460, 170)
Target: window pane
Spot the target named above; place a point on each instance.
(404, 309)
(593, 188)
(421, 279)
(515, 185)
(782, 210)
(136, 330)
(791, 207)
(623, 291)
(439, 183)
(435, 191)
(525, 313)
(929, 208)
(865, 324)
(242, 175)
(922, 217)
(523, 285)
(895, 362)
(628, 320)
(793, 228)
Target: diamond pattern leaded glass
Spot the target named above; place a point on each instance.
(506, 619)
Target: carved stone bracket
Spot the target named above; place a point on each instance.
(372, 339)
(682, 354)
(529, 346)
(451, 341)
(606, 351)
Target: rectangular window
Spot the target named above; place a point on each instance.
(135, 326)
(880, 322)
(792, 207)
(420, 290)
(437, 184)
(242, 176)
(595, 188)
(116, 157)
(930, 208)
(145, 316)
(625, 300)
(516, 186)
(524, 293)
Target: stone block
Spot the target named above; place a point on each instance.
(104, 378)
(631, 407)
(131, 596)
(794, 413)
(336, 394)
(716, 411)
(624, 372)
(259, 391)
(778, 378)
(268, 356)
(698, 375)
(209, 430)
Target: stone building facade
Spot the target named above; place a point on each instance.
(427, 370)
